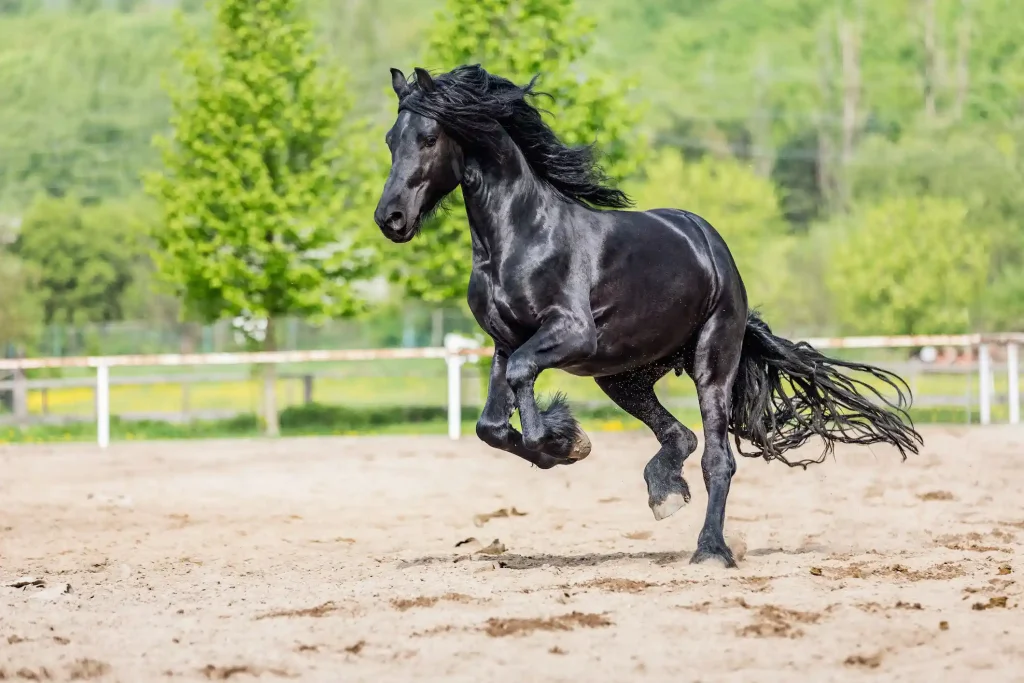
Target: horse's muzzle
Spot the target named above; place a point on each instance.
(395, 225)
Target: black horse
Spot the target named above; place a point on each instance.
(562, 278)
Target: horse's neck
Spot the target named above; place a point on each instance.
(495, 195)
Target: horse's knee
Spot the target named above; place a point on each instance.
(493, 434)
(520, 373)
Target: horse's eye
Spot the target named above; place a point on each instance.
(430, 142)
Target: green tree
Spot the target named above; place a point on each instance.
(85, 6)
(81, 103)
(84, 257)
(805, 80)
(1001, 309)
(20, 309)
(265, 186)
(369, 36)
(976, 165)
(517, 40)
(18, 6)
(908, 265)
(742, 206)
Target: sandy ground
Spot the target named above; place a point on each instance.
(336, 560)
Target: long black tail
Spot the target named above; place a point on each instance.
(787, 392)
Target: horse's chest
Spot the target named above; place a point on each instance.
(498, 311)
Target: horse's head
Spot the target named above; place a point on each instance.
(426, 164)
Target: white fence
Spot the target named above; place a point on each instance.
(458, 350)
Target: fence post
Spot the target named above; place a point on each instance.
(1013, 377)
(436, 326)
(20, 396)
(453, 343)
(454, 362)
(985, 384)
(307, 389)
(102, 405)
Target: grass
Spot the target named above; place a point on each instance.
(326, 420)
(376, 397)
(377, 383)
(310, 420)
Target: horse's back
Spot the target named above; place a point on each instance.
(677, 239)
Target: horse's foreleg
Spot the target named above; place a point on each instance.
(561, 340)
(493, 427)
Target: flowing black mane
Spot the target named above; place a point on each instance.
(473, 106)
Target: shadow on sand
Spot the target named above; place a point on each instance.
(514, 561)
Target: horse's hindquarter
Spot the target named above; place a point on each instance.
(653, 282)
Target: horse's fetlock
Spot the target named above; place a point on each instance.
(533, 443)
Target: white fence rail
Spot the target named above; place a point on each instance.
(458, 350)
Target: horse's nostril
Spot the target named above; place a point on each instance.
(395, 219)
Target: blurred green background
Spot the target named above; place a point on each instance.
(863, 158)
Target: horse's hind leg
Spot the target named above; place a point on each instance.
(634, 392)
(715, 362)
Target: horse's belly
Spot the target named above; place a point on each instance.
(643, 333)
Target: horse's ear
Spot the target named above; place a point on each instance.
(424, 80)
(399, 83)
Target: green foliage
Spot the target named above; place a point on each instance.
(267, 180)
(20, 308)
(81, 101)
(748, 91)
(908, 266)
(981, 168)
(744, 60)
(85, 256)
(1002, 307)
(518, 40)
(368, 37)
(975, 165)
(15, 7)
(766, 80)
(315, 420)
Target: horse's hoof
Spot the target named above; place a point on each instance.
(666, 493)
(720, 555)
(580, 447)
(671, 504)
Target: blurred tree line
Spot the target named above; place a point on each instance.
(862, 157)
